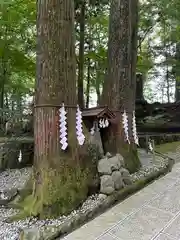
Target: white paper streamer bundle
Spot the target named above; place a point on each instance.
(79, 127)
(125, 126)
(150, 146)
(63, 127)
(134, 130)
(92, 130)
(20, 156)
(103, 123)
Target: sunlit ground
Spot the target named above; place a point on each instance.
(168, 147)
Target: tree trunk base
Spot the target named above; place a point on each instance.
(57, 193)
(115, 144)
(132, 161)
(52, 192)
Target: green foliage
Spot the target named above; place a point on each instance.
(145, 60)
(18, 31)
(17, 52)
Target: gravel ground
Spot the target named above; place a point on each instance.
(10, 231)
(149, 165)
(11, 179)
(14, 179)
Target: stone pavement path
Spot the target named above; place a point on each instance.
(151, 214)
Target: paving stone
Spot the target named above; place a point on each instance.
(164, 237)
(136, 201)
(162, 184)
(175, 171)
(98, 226)
(174, 228)
(107, 237)
(141, 226)
(141, 216)
(169, 201)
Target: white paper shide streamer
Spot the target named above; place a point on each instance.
(150, 146)
(20, 156)
(63, 128)
(79, 127)
(134, 129)
(92, 130)
(125, 126)
(103, 123)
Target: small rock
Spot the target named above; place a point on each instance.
(126, 176)
(30, 234)
(107, 185)
(104, 167)
(117, 179)
(108, 155)
(121, 159)
(115, 163)
(124, 172)
(127, 180)
(102, 196)
(7, 196)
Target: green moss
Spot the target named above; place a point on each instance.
(23, 193)
(59, 193)
(167, 147)
(66, 190)
(132, 161)
(61, 190)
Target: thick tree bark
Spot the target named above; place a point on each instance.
(177, 72)
(81, 55)
(2, 87)
(97, 86)
(133, 45)
(2, 84)
(88, 82)
(98, 93)
(120, 83)
(167, 75)
(89, 69)
(133, 162)
(60, 178)
(56, 82)
(6, 100)
(139, 88)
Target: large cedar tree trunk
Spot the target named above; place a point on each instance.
(60, 180)
(81, 54)
(88, 82)
(177, 72)
(139, 88)
(120, 83)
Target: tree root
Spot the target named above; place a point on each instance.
(132, 161)
(56, 195)
(30, 207)
(58, 191)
